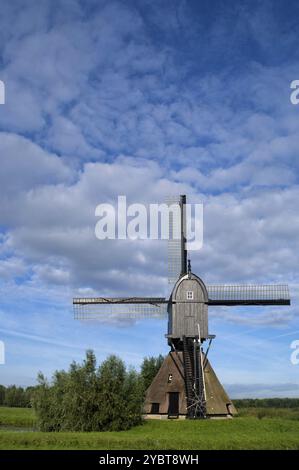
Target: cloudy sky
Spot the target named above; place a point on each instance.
(145, 99)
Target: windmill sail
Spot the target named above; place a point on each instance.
(177, 253)
(125, 307)
(248, 294)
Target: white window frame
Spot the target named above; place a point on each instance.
(190, 295)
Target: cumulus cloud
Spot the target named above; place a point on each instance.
(25, 165)
(249, 237)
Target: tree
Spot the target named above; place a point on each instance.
(70, 402)
(2, 394)
(89, 399)
(43, 403)
(29, 391)
(112, 377)
(15, 397)
(81, 395)
(134, 391)
(150, 368)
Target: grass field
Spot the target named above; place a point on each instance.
(260, 413)
(17, 417)
(244, 432)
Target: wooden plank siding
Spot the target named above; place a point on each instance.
(186, 314)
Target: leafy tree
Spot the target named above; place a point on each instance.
(112, 377)
(150, 368)
(15, 396)
(43, 403)
(29, 391)
(89, 399)
(134, 391)
(81, 395)
(2, 394)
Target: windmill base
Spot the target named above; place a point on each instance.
(166, 396)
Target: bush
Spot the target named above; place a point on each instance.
(262, 414)
(89, 399)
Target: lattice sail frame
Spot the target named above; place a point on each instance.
(156, 307)
(248, 294)
(177, 255)
(130, 307)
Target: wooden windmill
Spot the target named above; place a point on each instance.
(186, 384)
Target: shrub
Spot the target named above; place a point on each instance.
(87, 398)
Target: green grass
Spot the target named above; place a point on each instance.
(17, 417)
(239, 433)
(255, 428)
(260, 413)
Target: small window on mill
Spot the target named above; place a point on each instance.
(190, 295)
(169, 378)
(155, 408)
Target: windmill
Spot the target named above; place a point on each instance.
(186, 385)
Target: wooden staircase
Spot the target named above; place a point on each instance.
(194, 380)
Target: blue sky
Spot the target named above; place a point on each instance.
(143, 98)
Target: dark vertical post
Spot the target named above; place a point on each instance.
(183, 236)
(195, 372)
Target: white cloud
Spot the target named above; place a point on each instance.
(24, 165)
